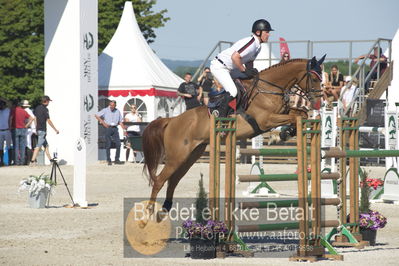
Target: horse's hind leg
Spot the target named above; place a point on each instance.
(180, 172)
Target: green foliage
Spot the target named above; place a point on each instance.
(110, 12)
(364, 192)
(22, 41)
(182, 70)
(21, 49)
(201, 202)
(343, 67)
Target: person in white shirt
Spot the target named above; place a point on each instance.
(133, 130)
(239, 57)
(31, 132)
(349, 91)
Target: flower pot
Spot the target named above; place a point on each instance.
(39, 200)
(202, 248)
(369, 235)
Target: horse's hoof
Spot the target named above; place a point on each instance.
(142, 223)
(161, 215)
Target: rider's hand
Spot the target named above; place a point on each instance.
(251, 72)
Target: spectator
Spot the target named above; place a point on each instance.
(31, 136)
(110, 118)
(42, 118)
(133, 130)
(11, 154)
(206, 82)
(334, 83)
(189, 90)
(5, 134)
(285, 57)
(19, 124)
(374, 59)
(348, 92)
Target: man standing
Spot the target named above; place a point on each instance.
(20, 121)
(5, 134)
(110, 118)
(42, 118)
(239, 58)
(205, 82)
(189, 90)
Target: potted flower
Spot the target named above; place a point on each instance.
(38, 188)
(204, 238)
(369, 221)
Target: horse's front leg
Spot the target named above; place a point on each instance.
(281, 119)
(288, 121)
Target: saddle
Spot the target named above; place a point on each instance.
(216, 99)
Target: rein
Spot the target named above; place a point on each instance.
(303, 93)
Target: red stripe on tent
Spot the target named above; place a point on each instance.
(133, 93)
(246, 46)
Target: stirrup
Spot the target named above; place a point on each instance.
(215, 113)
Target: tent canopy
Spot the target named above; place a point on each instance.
(128, 62)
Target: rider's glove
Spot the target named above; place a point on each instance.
(251, 72)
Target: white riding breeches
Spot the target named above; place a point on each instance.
(29, 134)
(222, 74)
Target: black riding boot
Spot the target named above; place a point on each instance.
(224, 106)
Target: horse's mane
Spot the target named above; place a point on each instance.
(284, 63)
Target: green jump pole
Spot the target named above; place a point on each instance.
(282, 177)
(280, 226)
(284, 203)
(359, 153)
(270, 152)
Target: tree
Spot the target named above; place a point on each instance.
(21, 49)
(109, 14)
(22, 41)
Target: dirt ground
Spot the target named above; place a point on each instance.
(94, 236)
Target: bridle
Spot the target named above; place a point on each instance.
(308, 93)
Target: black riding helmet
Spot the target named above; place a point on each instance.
(262, 25)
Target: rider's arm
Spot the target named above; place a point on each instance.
(249, 65)
(236, 58)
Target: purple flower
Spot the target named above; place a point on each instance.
(372, 220)
(210, 230)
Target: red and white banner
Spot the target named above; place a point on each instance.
(284, 48)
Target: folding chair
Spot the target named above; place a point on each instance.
(136, 144)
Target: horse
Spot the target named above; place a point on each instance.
(180, 141)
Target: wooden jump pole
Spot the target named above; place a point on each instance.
(312, 245)
(230, 175)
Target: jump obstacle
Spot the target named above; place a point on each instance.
(389, 192)
(313, 245)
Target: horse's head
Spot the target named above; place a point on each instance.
(310, 82)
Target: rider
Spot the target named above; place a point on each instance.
(239, 57)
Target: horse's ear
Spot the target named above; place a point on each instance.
(312, 63)
(321, 60)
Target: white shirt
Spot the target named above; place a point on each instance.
(4, 116)
(348, 95)
(133, 118)
(248, 48)
(33, 124)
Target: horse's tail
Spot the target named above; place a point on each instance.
(153, 147)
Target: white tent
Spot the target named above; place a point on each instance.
(393, 92)
(130, 72)
(262, 61)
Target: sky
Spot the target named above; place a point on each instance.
(196, 26)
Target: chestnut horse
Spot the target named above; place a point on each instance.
(181, 140)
